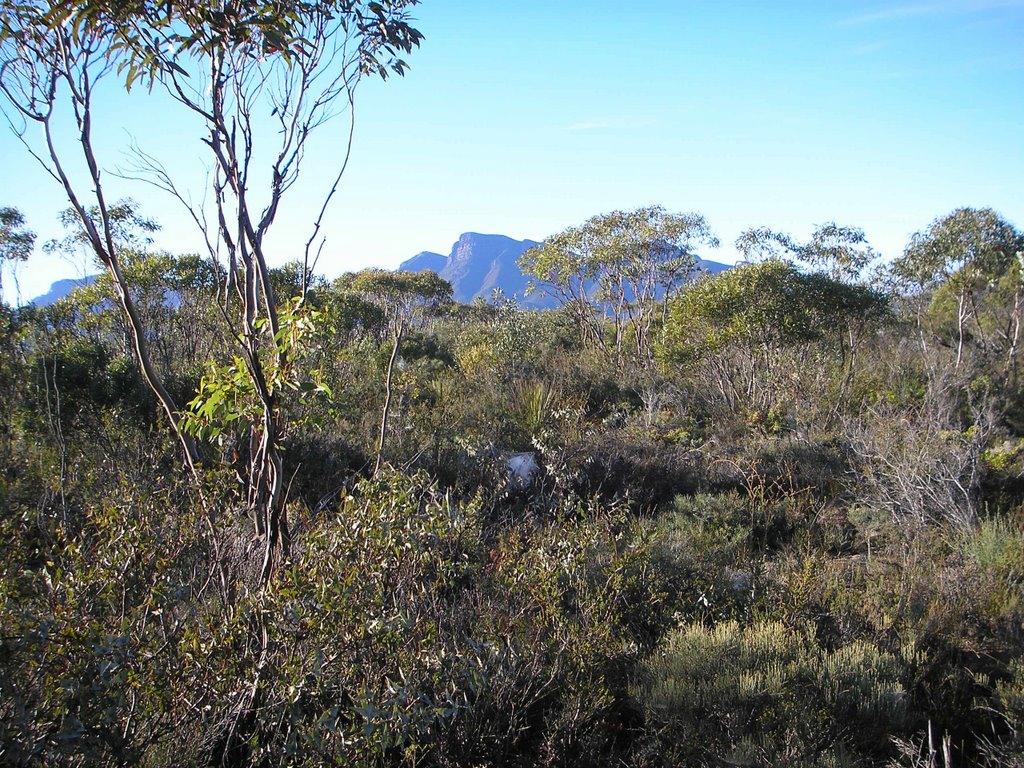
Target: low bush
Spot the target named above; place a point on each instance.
(767, 694)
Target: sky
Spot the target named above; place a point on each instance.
(524, 118)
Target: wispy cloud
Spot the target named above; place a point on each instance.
(932, 8)
(589, 125)
(868, 48)
(609, 124)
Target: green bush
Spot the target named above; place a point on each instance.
(767, 693)
(92, 611)
(697, 544)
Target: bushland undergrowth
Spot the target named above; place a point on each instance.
(785, 530)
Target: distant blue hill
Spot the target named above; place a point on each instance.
(476, 266)
(423, 261)
(711, 267)
(479, 263)
(61, 289)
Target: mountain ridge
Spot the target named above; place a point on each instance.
(60, 289)
(478, 264)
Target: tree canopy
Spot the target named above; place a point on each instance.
(619, 265)
(972, 242)
(770, 304)
(798, 540)
(16, 240)
(966, 254)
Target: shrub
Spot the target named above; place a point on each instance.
(767, 693)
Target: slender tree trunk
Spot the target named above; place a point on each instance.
(1011, 355)
(387, 400)
(105, 249)
(960, 317)
(277, 545)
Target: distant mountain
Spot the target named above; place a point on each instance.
(711, 267)
(61, 289)
(423, 261)
(479, 263)
(476, 266)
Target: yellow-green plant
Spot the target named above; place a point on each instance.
(532, 407)
(726, 689)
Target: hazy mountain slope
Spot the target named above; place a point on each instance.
(60, 289)
(479, 263)
(423, 261)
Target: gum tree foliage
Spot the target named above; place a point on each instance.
(966, 254)
(741, 322)
(175, 296)
(619, 265)
(838, 251)
(227, 65)
(763, 244)
(131, 233)
(835, 254)
(405, 299)
(128, 227)
(16, 241)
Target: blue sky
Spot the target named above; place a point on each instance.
(525, 118)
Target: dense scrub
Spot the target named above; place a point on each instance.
(786, 529)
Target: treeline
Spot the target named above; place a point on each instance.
(767, 517)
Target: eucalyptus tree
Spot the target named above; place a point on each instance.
(620, 265)
(405, 299)
(741, 325)
(839, 251)
(967, 254)
(226, 65)
(762, 244)
(16, 240)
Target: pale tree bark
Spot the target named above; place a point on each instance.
(226, 66)
(1018, 299)
(386, 410)
(63, 67)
